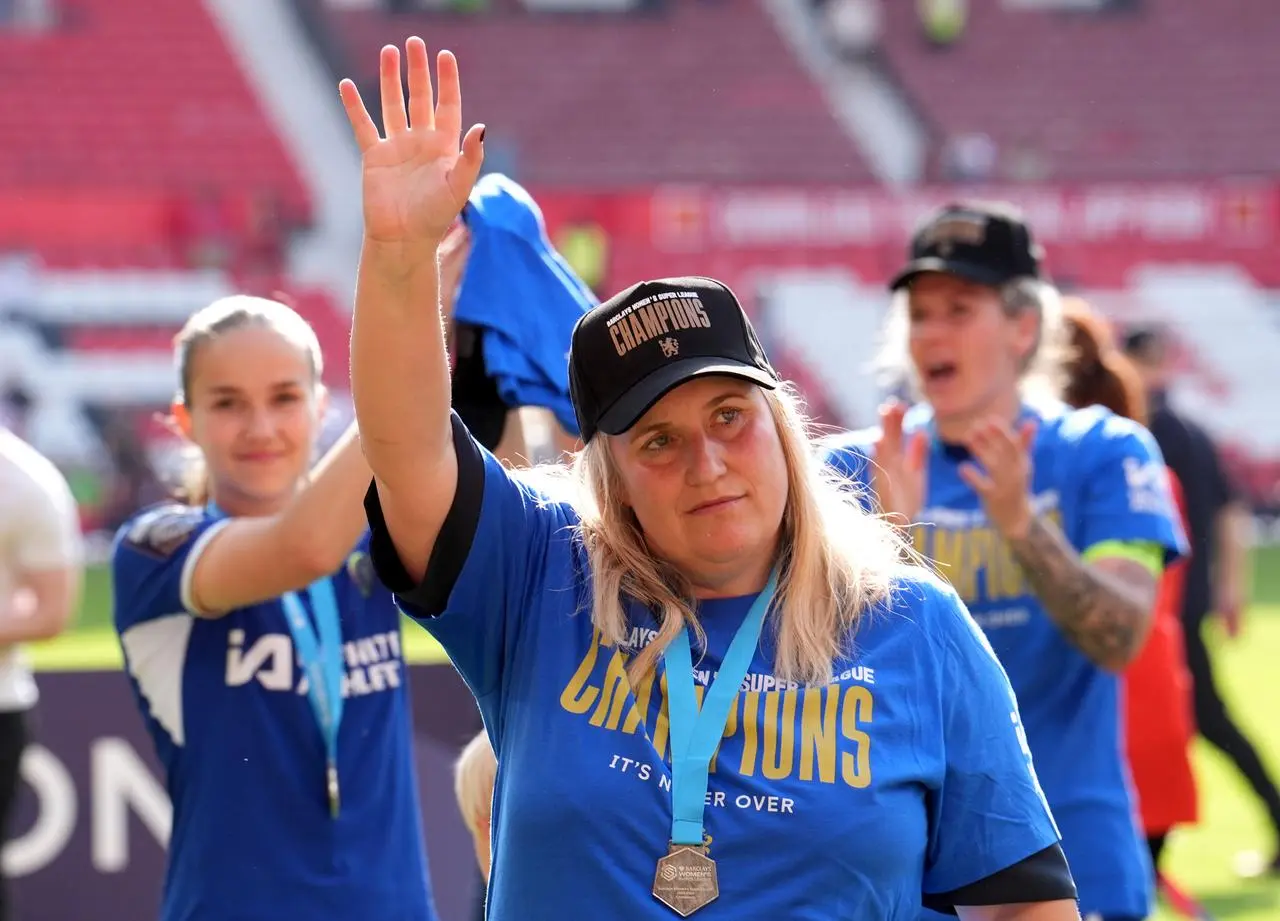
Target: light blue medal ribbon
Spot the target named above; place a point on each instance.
(321, 660)
(695, 733)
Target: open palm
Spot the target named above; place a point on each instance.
(415, 180)
(898, 474)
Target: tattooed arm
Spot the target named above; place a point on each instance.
(1102, 599)
(1104, 607)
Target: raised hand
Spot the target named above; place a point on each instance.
(1002, 475)
(415, 180)
(898, 470)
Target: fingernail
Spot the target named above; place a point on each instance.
(482, 131)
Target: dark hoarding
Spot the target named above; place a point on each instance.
(92, 817)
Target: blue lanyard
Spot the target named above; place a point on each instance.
(695, 734)
(321, 659)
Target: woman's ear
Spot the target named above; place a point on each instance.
(1026, 334)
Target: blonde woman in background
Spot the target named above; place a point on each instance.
(264, 656)
(473, 778)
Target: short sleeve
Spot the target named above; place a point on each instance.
(49, 529)
(989, 812)
(489, 565)
(1124, 489)
(153, 561)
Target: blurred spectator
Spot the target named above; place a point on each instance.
(263, 241)
(1025, 162)
(134, 485)
(201, 230)
(41, 560)
(27, 15)
(473, 778)
(585, 246)
(15, 407)
(942, 21)
(1157, 696)
(474, 774)
(969, 157)
(853, 26)
(1217, 575)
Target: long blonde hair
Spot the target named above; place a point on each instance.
(837, 560)
(474, 774)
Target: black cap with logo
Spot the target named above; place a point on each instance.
(630, 351)
(987, 243)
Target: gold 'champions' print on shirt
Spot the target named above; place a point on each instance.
(976, 560)
(818, 734)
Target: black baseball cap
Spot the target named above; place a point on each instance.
(984, 242)
(633, 349)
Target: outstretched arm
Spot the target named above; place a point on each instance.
(247, 560)
(415, 183)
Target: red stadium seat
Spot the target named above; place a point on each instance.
(697, 92)
(128, 105)
(1172, 89)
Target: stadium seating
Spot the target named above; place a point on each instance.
(697, 92)
(105, 338)
(117, 114)
(1171, 88)
(131, 110)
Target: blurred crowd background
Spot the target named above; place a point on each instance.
(155, 156)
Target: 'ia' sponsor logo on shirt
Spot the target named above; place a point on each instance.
(373, 663)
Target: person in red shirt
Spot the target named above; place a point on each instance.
(1158, 714)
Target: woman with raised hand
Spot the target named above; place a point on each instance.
(710, 681)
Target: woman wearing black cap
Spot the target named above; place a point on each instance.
(752, 708)
(1053, 524)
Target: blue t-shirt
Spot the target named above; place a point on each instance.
(244, 758)
(1099, 477)
(905, 774)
